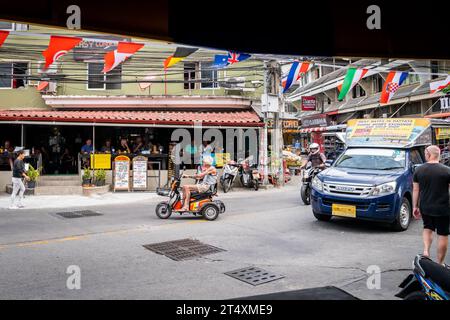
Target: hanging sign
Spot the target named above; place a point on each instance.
(121, 173)
(101, 161)
(308, 103)
(140, 173)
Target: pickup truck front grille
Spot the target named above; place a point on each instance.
(347, 189)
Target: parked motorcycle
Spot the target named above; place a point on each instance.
(229, 174)
(429, 281)
(308, 175)
(249, 174)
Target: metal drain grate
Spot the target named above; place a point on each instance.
(78, 214)
(254, 276)
(183, 249)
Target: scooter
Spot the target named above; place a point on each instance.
(199, 204)
(229, 174)
(308, 175)
(429, 281)
(249, 174)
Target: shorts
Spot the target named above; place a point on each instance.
(439, 224)
(202, 188)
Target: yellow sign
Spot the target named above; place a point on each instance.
(343, 210)
(442, 133)
(101, 161)
(222, 159)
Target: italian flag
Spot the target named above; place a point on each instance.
(351, 79)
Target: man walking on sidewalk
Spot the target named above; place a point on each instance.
(431, 201)
(17, 182)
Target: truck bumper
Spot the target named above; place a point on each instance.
(383, 208)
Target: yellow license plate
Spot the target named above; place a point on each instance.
(343, 210)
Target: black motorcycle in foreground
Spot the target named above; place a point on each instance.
(429, 281)
(308, 175)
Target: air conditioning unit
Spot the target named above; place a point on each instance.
(234, 83)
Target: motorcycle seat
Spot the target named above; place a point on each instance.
(437, 272)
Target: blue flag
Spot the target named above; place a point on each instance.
(220, 61)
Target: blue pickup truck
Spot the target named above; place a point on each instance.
(373, 178)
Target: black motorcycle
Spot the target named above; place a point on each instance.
(429, 281)
(308, 175)
(249, 174)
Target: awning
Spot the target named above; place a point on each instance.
(439, 115)
(315, 129)
(164, 118)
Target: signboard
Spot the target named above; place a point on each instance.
(121, 173)
(269, 103)
(140, 173)
(96, 47)
(445, 103)
(442, 133)
(399, 132)
(318, 120)
(308, 103)
(101, 161)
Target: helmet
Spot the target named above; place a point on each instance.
(314, 148)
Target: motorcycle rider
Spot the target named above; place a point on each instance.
(316, 158)
(208, 177)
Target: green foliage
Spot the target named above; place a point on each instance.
(33, 173)
(100, 175)
(87, 174)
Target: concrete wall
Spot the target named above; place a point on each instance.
(5, 179)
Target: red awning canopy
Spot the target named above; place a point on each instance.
(175, 118)
(439, 115)
(315, 129)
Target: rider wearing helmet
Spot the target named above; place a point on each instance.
(316, 158)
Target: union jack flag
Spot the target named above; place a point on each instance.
(234, 57)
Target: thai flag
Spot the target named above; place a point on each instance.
(296, 70)
(393, 82)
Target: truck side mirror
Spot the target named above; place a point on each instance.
(328, 163)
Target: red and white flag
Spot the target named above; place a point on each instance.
(437, 86)
(123, 52)
(393, 81)
(145, 85)
(42, 85)
(58, 47)
(3, 36)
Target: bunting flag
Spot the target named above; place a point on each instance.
(3, 36)
(180, 54)
(224, 60)
(393, 81)
(351, 79)
(123, 52)
(441, 85)
(58, 47)
(296, 70)
(220, 61)
(145, 85)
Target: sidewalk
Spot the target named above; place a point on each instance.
(110, 198)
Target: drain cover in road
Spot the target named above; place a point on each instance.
(254, 276)
(78, 214)
(183, 249)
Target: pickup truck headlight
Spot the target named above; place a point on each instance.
(385, 188)
(317, 184)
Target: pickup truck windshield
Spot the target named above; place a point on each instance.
(372, 159)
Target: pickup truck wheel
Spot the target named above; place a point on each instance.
(322, 217)
(403, 217)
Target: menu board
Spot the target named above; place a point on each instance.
(140, 173)
(121, 173)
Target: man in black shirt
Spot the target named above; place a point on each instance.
(17, 182)
(431, 187)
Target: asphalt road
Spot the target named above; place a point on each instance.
(271, 229)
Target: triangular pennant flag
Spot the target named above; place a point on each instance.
(296, 71)
(145, 85)
(123, 52)
(393, 81)
(58, 47)
(440, 85)
(3, 36)
(234, 57)
(180, 54)
(351, 79)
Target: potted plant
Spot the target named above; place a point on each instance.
(87, 177)
(100, 177)
(33, 174)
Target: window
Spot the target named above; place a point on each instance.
(358, 91)
(13, 26)
(378, 83)
(13, 75)
(97, 80)
(415, 157)
(208, 76)
(189, 75)
(434, 66)
(412, 108)
(374, 159)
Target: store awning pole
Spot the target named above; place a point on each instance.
(22, 136)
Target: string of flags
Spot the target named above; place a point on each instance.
(61, 45)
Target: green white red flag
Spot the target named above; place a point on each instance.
(351, 79)
(441, 85)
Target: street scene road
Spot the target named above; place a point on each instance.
(269, 229)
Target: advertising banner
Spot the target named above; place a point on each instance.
(308, 103)
(101, 161)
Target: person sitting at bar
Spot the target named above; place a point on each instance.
(8, 151)
(138, 146)
(88, 148)
(67, 161)
(108, 148)
(124, 148)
